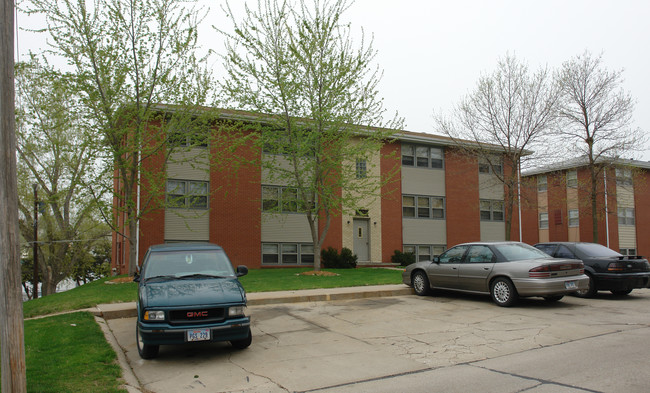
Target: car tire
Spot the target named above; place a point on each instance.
(553, 299)
(590, 291)
(244, 343)
(503, 292)
(144, 350)
(621, 292)
(421, 283)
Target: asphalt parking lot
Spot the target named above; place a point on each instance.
(443, 343)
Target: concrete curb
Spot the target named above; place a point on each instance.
(128, 310)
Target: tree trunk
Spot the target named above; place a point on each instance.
(133, 244)
(594, 201)
(12, 341)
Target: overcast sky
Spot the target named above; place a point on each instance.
(433, 52)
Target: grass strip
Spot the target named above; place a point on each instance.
(68, 353)
(257, 280)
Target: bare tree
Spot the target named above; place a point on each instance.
(596, 117)
(297, 64)
(510, 112)
(12, 341)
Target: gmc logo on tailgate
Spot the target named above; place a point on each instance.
(197, 314)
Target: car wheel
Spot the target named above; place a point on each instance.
(145, 351)
(244, 343)
(420, 283)
(590, 291)
(553, 299)
(621, 292)
(503, 292)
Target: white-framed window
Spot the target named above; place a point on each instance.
(491, 210)
(185, 138)
(626, 216)
(630, 252)
(494, 165)
(542, 183)
(287, 254)
(187, 194)
(574, 218)
(280, 199)
(421, 206)
(543, 220)
(361, 168)
(424, 252)
(422, 156)
(572, 179)
(624, 177)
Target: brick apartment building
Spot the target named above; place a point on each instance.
(440, 198)
(556, 205)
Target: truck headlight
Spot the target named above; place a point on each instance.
(236, 311)
(154, 315)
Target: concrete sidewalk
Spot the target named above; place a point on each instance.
(128, 310)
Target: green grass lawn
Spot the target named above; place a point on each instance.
(68, 353)
(257, 280)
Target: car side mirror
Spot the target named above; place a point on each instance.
(242, 270)
(436, 259)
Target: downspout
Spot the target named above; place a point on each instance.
(519, 198)
(606, 209)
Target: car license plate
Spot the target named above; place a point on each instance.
(570, 285)
(198, 335)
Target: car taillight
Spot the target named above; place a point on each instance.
(545, 271)
(616, 267)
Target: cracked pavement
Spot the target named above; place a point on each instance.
(445, 342)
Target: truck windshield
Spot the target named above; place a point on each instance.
(185, 263)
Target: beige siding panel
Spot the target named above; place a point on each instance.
(543, 235)
(542, 202)
(288, 228)
(186, 224)
(574, 234)
(420, 181)
(277, 161)
(489, 187)
(625, 196)
(189, 165)
(572, 199)
(626, 236)
(493, 231)
(423, 231)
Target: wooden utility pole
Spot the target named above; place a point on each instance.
(35, 245)
(12, 342)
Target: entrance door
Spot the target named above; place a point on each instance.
(361, 242)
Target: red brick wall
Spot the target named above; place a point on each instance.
(529, 212)
(557, 211)
(586, 222)
(152, 196)
(612, 210)
(235, 203)
(391, 201)
(642, 212)
(462, 196)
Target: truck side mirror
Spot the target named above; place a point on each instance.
(242, 270)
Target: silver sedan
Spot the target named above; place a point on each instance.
(505, 270)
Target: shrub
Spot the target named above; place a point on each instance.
(403, 258)
(331, 259)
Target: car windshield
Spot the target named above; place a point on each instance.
(177, 264)
(596, 250)
(519, 252)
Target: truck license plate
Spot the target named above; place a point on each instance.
(198, 335)
(570, 285)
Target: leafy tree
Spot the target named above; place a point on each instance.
(509, 113)
(138, 75)
(56, 152)
(296, 64)
(596, 116)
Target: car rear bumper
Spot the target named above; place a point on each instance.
(165, 334)
(550, 286)
(625, 281)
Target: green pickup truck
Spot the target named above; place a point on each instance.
(189, 293)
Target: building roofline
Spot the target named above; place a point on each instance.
(582, 161)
